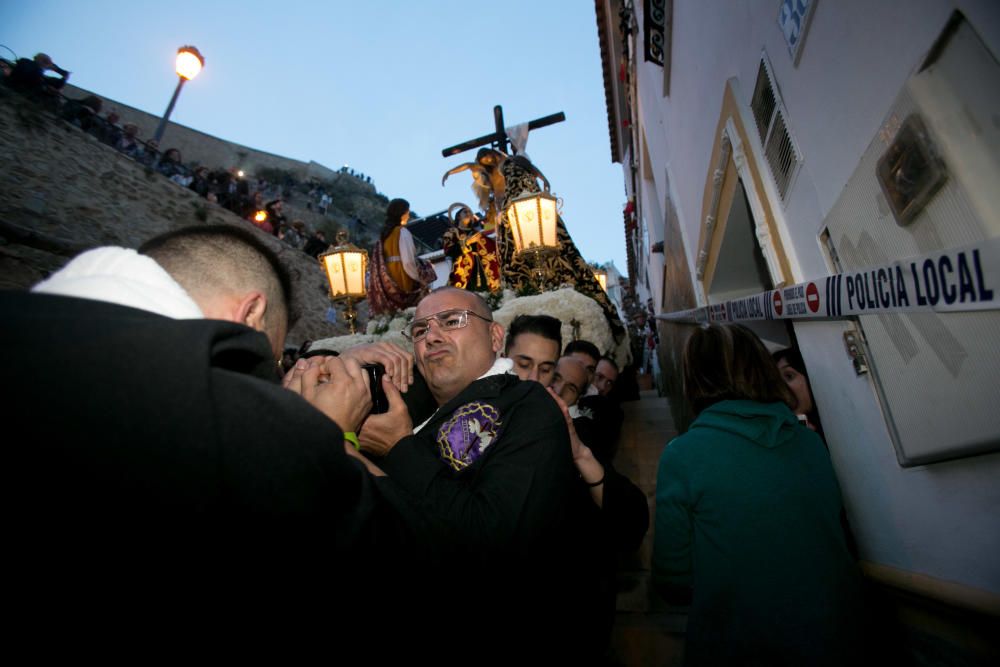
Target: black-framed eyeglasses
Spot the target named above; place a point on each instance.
(448, 320)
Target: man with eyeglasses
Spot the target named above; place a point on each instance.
(492, 488)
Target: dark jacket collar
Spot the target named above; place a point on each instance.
(482, 389)
(234, 347)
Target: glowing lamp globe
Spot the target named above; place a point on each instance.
(189, 62)
(532, 220)
(345, 266)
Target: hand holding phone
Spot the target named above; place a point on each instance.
(380, 403)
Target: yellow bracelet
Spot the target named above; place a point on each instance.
(352, 437)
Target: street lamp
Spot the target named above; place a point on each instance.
(602, 277)
(346, 266)
(532, 219)
(189, 62)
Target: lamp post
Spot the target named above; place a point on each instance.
(189, 62)
(532, 219)
(346, 266)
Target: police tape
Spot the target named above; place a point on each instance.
(956, 280)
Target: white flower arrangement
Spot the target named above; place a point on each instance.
(387, 324)
(565, 304)
(386, 329)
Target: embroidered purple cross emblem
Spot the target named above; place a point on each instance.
(463, 438)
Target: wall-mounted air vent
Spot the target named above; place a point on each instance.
(768, 112)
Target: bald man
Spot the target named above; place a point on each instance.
(495, 494)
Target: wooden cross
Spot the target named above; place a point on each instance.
(498, 139)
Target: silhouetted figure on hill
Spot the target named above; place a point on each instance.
(170, 164)
(108, 130)
(315, 244)
(292, 234)
(28, 76)
(275, 215)
(83, 113)
(200, 182)
(149, 154)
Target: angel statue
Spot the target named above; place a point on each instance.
(490, 174)
(499, 179)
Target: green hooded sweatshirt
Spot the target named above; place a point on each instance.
(748, 515)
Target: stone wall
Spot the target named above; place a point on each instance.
(62, 192)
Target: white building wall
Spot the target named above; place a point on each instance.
(616, 292)
(939, 520)
(652, 215)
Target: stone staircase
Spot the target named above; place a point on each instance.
(647, 630)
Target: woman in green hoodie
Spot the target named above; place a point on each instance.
(748, 518)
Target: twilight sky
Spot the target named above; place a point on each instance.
(380, 85)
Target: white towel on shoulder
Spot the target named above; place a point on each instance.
(122, 276)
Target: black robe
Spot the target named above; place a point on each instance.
(624, 514)
(602, 432)
(165, 483)
(509, 544)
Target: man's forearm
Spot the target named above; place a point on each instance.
(487, 506)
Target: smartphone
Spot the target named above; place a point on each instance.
(380, 403)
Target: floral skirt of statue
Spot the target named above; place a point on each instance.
(384, 295)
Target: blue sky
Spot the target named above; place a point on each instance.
(380, 85)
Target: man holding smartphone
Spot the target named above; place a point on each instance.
(488, 485)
